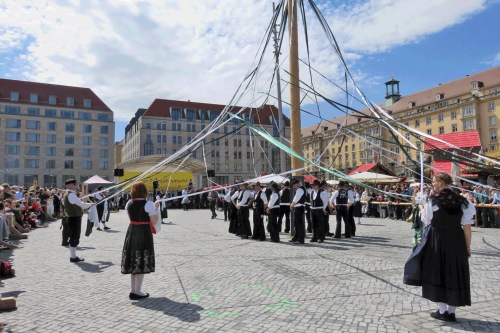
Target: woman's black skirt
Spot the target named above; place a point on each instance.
(138, 256)
(357, 209)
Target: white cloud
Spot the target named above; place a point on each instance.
(132, 52)
(493, 62)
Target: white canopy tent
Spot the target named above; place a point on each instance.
(269, 178)
(94, 182)
(371, 177)
(332, 182)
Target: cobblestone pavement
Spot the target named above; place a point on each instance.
(207, 280)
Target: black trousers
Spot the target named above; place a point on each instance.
(326, 223)
(342, 213)
(284, 211)
(298, 222)
(274, 230)
(308, 218)
(352, 225)
(226, 209)
(75, 230)
(244, 228)
(65, 233)
(212, 208)
(233, 219)
(487, 215)
(185, 206)
(318, 224)
(258, 225)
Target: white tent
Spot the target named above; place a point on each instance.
(332, 182)
(269, 178)
(371, 177)
(97, 180)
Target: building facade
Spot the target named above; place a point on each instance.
(233, 152)
(471, 103)
(51, 133)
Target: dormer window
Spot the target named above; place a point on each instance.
(176, 113)
(70, 101)
(33, 98)
(359, 120)
(52, 100)
(312, 132)
(87, 103)
(439, 96)
(14, 96)
(411, 104)
(325, 128)
(477, 85)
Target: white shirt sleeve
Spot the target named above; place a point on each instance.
(263, 197)
(246, 195)
(298, 195)
(350, 196)
(281, 193)
(324, 198)
(150, 208)
(469, 212)
(73, 199)
(235, 195)
(273, 199)
(334, 196)
(227, 197)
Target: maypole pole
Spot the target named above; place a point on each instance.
(295, 126)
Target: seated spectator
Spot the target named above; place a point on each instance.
(5, 230)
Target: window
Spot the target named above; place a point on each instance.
(474, 85)
(179, 139)
(14, 96)
(87, 165)
(347, 158)
(12, 109)
(164, 151)
(188, 128)
(346, 148)
(32, 150)
(50, 113)
(163, 126)
(164, 139)
(12, 163)
(33, 98)
(13, 150)
(13, 123)
(70, 101)
(158, 151)
(428, 121)
(68, 164)
(203, 127)
(87, 140)
(493, 135)
(104, 141)
(148, 125)
(453, 115)
(85, 115)
(468, 110)
(429, 131)
(176, 114)
(51, 138)
(51, 151)
(52, 100)
(70, 127)
(419, 145)
(469, 124)
(103, 165)
(443, 104)
(179, 127)
(454, 128)
(87, 152)
(32, 164)
(158, 138)
(191, 114)
(158, 126)
(174, 126)
(440, 118)
(67, 114)
(103, 117)
(493, 121)
(87, 128)
(441, 130)
(69, 152)
(87, 103)
(69, 139)
(174, 139)
(417, 123)
(491, 106)
(189, 139)
(32, 137)
(52, 126)
(33, 112)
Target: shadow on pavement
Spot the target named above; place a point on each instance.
(186, 312)
(93, 268)
(14, 294)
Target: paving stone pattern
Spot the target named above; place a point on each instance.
(207, 280)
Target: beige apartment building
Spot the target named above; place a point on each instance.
(233, 152)
(51, 133)
(470, 103)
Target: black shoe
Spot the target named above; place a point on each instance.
(132, 296)
(244, 237)
(65, 244)
(76, 259)
(329, 234)
(451, 317)
(107, 228)
(140, 296)
(320, 241)
(437, 315)
(287, 231)
(313, 241)
(99, 229)
(352, 235)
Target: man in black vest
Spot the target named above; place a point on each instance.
(260, 206)
(273, 209)
(341, 200)
(244, 229)
(324, 186)
(285, 206)
(319, 204)
(307, 185)
(233, 212)
(298, 207)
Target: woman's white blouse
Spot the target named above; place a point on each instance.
(149, 208)
(429, 209)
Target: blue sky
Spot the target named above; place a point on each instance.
(130, 53)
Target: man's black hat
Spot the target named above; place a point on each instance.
(295, 181)
(307, 184)
(70, 181)
(275, 187)
(287, 183)
(343, 183)
(257, 184)
(316, 183)
(100, 187)
(323, 183)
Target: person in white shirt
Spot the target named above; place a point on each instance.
(285, 206)
(309, 191)
(273, 209)
(74, 209)
(319, 204)
(260, 205)
(341, 200)
(233, 212)
(244, 230)
(298, 207)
